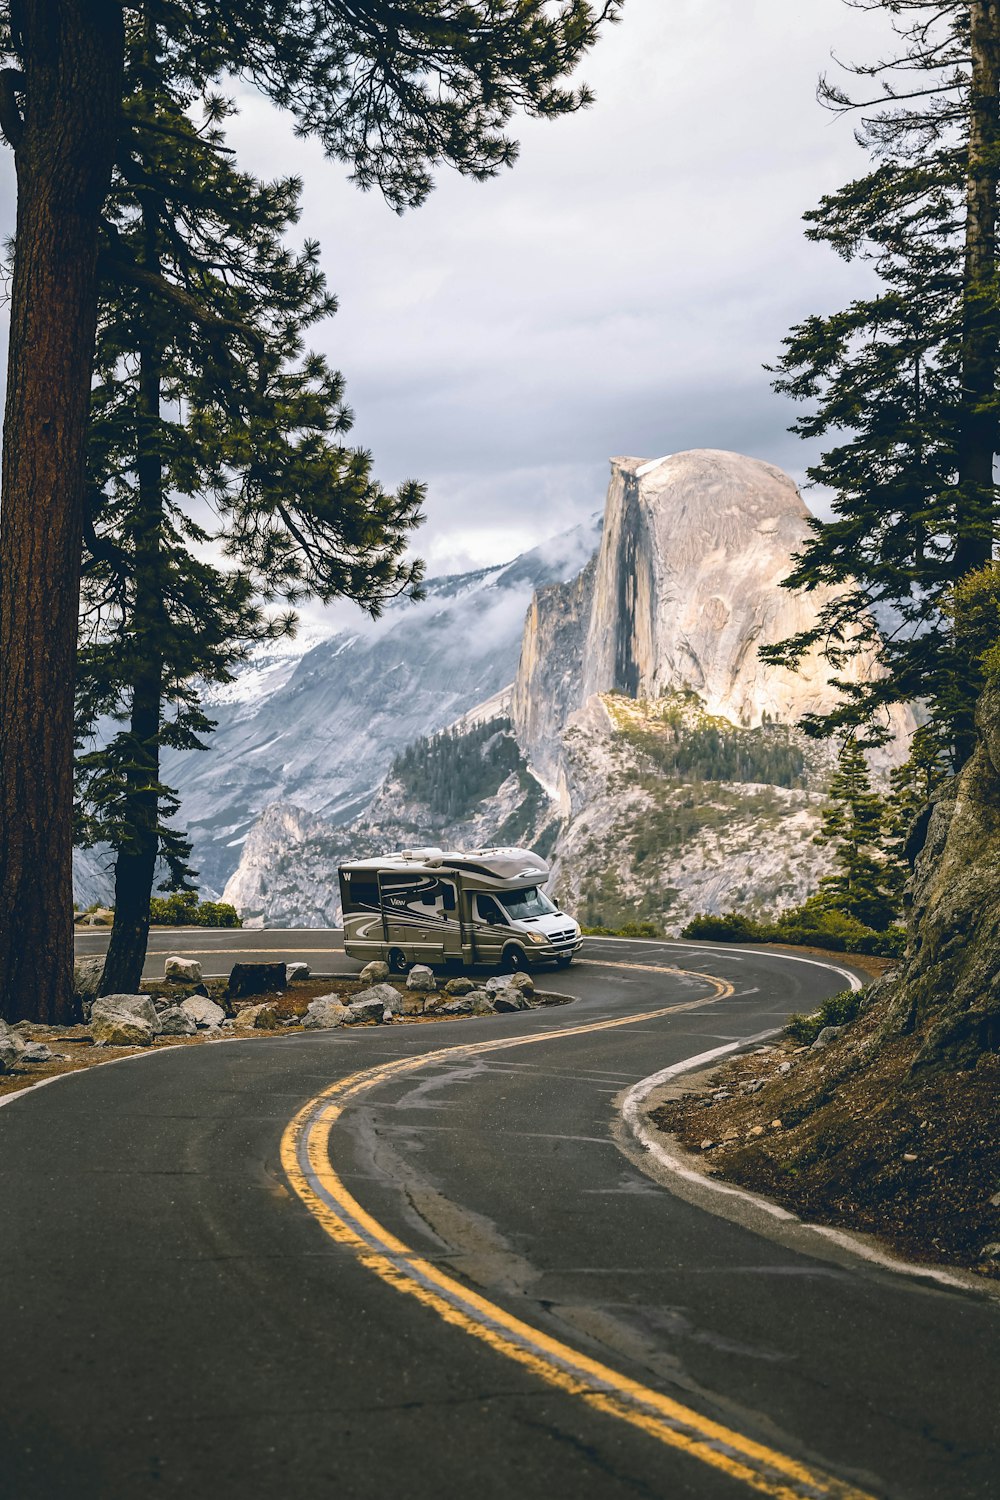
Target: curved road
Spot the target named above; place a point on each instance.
(330, 1264)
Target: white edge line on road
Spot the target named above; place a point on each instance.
(632, 1113)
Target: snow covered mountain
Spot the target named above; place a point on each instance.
(316, 722)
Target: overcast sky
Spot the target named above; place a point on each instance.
(618, 291)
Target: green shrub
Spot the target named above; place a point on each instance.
(811, 925)
(838, 1010)
(183, 909)
(730, 927)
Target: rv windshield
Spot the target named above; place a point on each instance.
(529, 903)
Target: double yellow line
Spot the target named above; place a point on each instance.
(305, 1155)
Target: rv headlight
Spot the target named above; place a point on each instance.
(536, 937)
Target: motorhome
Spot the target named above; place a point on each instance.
(436, 906)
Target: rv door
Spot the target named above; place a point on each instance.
(421, 916)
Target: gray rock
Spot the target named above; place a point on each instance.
(827, 1035)
(387, 997)
(204, 1013)
(359, 1010)
(87, 975)
(182, 970)
(11, 1048)
(522, 982)
(260, 1017)
(124, 1021)
(296, 971)
(36, 1052)
(510, 999)
(421, 978)
(482, 1003)
(374, 972)
(461, 1006)
(175, 1021)
(459, 987)
(326, 1011)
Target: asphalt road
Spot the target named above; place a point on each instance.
(185, 1310)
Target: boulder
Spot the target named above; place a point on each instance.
(36, 1052)
(461, 1006)
(459, 987)
(255, 979)
(260, 1017)
(510, 999)
(520, 981)
(175, 1021)
(124, 1021)
(374, 972)
(326, 1011)
(422, 978)
(368, 1007)
(182, 970)
(827, 1035)
(482, 1003)
(204, 1013)
(87, 975)
(11, 1048)
(388, 997)
(296, 971)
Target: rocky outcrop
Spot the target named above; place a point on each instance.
(685, 589)
(124, 1021)
(949, 989)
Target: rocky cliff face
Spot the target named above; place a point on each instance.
(685, 589)
(949, 990)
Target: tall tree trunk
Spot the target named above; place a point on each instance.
(135, 865)
(73, 57)
(977, 438)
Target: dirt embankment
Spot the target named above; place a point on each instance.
(846, 1134)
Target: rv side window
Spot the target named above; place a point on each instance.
(488, 910)
(448, 896)
(361, 892)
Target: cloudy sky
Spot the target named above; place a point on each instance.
(618, 291)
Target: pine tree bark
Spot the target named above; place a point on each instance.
(72, 54)
(135, 865)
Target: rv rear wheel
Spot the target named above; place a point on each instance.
(514, 960)
(397, 961)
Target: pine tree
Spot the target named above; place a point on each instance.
(204, 393)
(905, 380)
(853, 824)
(394, 90)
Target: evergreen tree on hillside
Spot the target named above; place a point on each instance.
(204, 393)
(853, 824)
(904, 381)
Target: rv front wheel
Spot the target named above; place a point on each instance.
(514, 960)
(397, 960)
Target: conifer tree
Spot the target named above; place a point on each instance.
(853, 824)
(394, 90)
(904, 380)
(203, 393)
